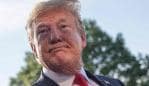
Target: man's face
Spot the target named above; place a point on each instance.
(57, 41)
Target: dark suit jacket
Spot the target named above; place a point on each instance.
(100, 80)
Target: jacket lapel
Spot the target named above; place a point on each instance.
(100, 82)
(44, 81)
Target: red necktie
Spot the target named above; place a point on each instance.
(80, 80)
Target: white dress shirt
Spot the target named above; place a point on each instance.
(66, 80)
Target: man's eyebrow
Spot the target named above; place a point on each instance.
(62, 20)
(42, 25)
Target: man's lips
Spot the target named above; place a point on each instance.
(60, 47)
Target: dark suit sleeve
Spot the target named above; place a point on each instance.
(110, 81)
(122, 84)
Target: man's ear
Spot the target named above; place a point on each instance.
(33, 49)
(35, 52)
(83, 37)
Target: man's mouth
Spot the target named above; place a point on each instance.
(58, 48)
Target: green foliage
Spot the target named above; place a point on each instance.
(103, 55)
(28, 73)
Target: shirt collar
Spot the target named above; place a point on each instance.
(61, 79)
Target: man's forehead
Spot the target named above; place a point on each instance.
(54, 15)
(43, 23)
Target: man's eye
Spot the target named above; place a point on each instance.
(42, 30)
(64, 27)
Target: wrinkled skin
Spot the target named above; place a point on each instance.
(57, 42)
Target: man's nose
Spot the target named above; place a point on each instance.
(55, 36)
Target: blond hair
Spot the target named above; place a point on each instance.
(42, 7)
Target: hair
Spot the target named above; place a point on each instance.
(42, 7)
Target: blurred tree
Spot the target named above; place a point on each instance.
(28, 73)
(103, 55)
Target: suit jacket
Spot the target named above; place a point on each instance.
(100, 80)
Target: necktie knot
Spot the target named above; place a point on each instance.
(80, 80)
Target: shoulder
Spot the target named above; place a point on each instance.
(110, 81)
(44, 81)
(104, 80)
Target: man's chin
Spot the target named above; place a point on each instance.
(68, 67)
(65, 62)
(67, 71)
(62, 56)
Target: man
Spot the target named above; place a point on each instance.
(57, 39)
